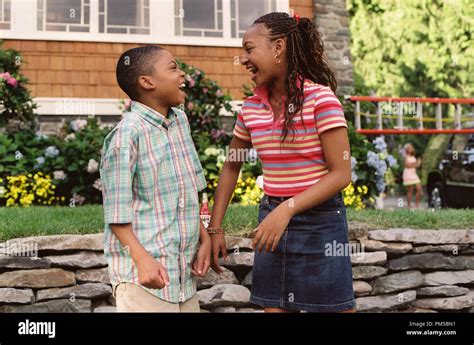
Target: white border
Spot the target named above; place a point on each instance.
(24, 26)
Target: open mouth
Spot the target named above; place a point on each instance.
(253, 70)
(182, 86)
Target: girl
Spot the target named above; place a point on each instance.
(410, 178)
(297, 126)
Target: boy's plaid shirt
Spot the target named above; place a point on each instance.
(151, 177)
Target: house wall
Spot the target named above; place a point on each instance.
(87, 69)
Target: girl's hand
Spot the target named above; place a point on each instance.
(203, 258)
(218, 245)
(270, 230)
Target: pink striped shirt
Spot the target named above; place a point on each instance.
(293, 166)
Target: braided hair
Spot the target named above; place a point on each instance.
(305, 59)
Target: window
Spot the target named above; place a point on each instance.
(181, 22)
(244, 12)
(124, 17)
(64, 15)
(5, 14)
(202, 18)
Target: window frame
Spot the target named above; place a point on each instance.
(3, 20)
(23, 26)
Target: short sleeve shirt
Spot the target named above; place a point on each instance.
(298, 163)
(151, 175)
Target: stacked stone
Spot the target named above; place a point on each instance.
(394, 270)
(406, 270)
(69, 274)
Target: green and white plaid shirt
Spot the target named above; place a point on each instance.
(150, 177)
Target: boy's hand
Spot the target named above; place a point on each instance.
(218, 245)
(270, 230)
(203, 257)
(151, 273)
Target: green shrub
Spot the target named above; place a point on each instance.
(15, 99)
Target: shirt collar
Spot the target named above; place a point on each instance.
(153, 116)
(262, 92)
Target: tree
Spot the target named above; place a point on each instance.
(414, 48)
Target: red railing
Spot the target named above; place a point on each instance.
(457, 120)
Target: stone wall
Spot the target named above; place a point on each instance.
(395, 270)
(332, 19)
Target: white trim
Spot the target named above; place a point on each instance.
(92, 106)
(24, 26)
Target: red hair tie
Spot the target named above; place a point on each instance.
(297, 18)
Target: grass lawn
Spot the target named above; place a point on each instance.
(37, 220)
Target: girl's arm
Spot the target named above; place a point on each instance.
(225, 188)
(336, 148)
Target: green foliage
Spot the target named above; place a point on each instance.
(360, 146)
(414, 48)
(15, 99)
(70, 159)
(204, 102)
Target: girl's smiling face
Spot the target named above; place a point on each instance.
(261, 56)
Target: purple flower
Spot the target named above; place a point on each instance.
(217, 134)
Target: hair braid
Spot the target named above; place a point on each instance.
(305, 58)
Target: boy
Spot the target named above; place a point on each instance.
(151, 176)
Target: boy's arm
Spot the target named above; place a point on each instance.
(202, 260)
(118, 166)
(151, 273)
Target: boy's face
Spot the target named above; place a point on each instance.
(259, 55)
(167, 82)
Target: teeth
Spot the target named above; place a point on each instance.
(253, 70)
(181, 86)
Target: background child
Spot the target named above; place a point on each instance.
(151, 176)
(297, 125)
(410, 178)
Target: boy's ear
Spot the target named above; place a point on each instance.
(146, 82)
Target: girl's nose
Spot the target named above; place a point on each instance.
(243, 59)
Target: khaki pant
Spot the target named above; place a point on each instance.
(133, 298)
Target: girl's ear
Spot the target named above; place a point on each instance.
(279, 46)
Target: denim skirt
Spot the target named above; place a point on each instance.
(306, 272)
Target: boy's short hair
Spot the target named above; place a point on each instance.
(132, 64)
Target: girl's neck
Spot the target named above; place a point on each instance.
(277, 90)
